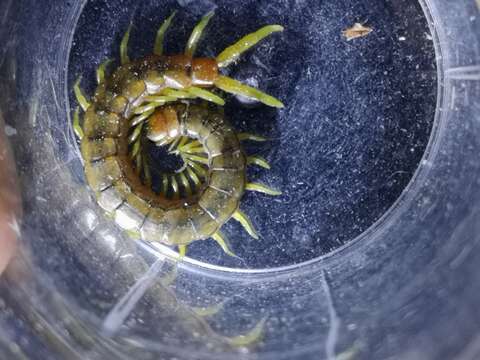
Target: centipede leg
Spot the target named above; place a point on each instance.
(235, 87)
(101, 71)
(185, 183)
(261, 188)
(175, 188)
(165, 184)
(160, 38)
(81, 99)
(245, 221)
(197, 35)
(205, 95)
(208, 310)
(124, 59)
(77, 128)
(252, 337)
(182, 250)
(194, 177)
(250, 137)
(259, 161)
(221, 240)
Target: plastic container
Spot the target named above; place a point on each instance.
(372, 251)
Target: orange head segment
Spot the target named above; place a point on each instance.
(183, 72)
(163, 125)
(204, 72)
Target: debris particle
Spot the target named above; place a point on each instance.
(402, 38)
(356, 31)
(10, 131)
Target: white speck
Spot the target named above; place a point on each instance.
(10, 131)
(14, 226)
(402, 38)
(428, 36)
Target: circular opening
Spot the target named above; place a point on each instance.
(357, 119)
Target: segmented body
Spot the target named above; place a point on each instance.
(157, 99)
(109, 168)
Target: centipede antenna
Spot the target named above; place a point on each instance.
(245, 221)
(141, 118)
(185, 183)
(232, 53)
(261, 188)
(250, 137)
(221, 240)
(165, 184)
(81, 99)
(197, 34)
(235, 87)
(76, 124)
(253, 336)
(259, 161)
(206, 95)
(101, 71)
(136, 133)
(160, 38)
(124, 59)
(175, 188)
(182, 250)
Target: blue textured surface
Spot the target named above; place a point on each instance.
(357, 119)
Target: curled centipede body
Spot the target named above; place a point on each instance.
(166, 100)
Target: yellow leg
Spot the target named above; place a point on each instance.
(262, 189)
(259, 161)
(250, 137)
(221, 240)
(159, 40)
(101, 71)
(206, 95)
(81, 99)
(124, 59)
(76, 124)
(252, 337)
(182, 251)
(235, 87)
(186, 185)
(197, 35)
(245, 221)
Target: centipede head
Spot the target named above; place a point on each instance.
(163, 126)
(204, 72)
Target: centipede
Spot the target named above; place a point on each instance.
(172, 102)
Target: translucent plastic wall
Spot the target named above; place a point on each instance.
(370, 253)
